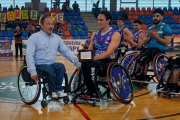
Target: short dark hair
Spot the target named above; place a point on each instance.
(158, 10)
(43, 19)
(121, 18)
(138, 21)
(107, 14)
(90, 32)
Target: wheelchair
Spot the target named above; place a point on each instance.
(154, 70)
(29, 91)
(115, 81)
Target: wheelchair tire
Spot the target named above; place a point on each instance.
(121, 88)
(43, 103)
(159, 65)
(66, 89)
(23, 74)
(66, 100)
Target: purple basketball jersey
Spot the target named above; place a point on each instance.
(88, 42)
(135, 39)
(101, 43)
(122, 35)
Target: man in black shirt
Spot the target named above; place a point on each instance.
(18, 41)
(37, 26)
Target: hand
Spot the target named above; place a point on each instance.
(124, 42)
(35, 78)
(153, 33)
(84, 46)
(15, 33)
(79, 69)
(127, 37)
(94, 58)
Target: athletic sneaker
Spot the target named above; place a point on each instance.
(54, 95)
(61, 94)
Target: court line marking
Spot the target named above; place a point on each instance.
(82, 112)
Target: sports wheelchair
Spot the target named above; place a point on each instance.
(115, 79)
(155, 67)
(29, 91)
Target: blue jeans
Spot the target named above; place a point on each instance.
(57, 71)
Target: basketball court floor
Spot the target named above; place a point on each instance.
(145, 105)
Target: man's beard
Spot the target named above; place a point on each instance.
(157, 22)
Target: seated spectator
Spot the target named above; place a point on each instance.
(23, 8)
(30, 26)
(24, 25)
(42, 14)
(16, 8)
(75, 7)
(31, 31)
(10, 26)
(60, 30)
(37, 26)
(64, 8)
(11, 8)
(3, 26)
(69, 26)
(17, 24)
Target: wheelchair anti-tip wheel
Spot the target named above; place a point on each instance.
(120, 83)
(29, 91)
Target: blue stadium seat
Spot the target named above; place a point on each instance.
(54, 31)
(178, 31)
(141, 17)
(2, 38)
(83, 37)
(77, 14)
(10, 38)
(146, 17)
(113, 18)
(77, 26)
(149, 25)
(145, 22)
(69, 21)
(150, 21)
(75, 37)
(169, 22)
(79, 18)
(164, 21)
(25, 34)
(29, 8)
(71, 13)
(119, 13)
(169, 17)
(170, 9)
(65, 13)
(117, 17)
(127, 22)
(175, 32)
(3, 34)
(151, 17)
(86, 33)
(164, 17)
(46, 9)
(72, 28)
(93, 9)
(84, 27)
(165, 8)
(75, 22)
(67, 18)
(113, 13)
(175, 22)
(73, 17)
(134, 32)
(112, 26)
(175, 26)
(117, 27)
(61, 34)
(10, 34)
(176, 12)
(73, 33)
(25, 38)
(81, 22)
(80, 33)
(131, 27)
(5, 9)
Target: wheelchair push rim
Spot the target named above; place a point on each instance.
(120, 83)
(27, 86)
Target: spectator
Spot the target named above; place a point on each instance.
(37, 26)
(18, 41)
(69, 26)
(96, 12)
(31, 31)
(22, 8)
(75, 7)
(16, 8)
(24, 25)
(60, 30)
(17, 23)
(124, 14)
(67, 3)
(42, 14)
(3, 26)
(10, 26)
(11, 8)
(30, 26)
(57, 3)
(0, 8)
(64, 8)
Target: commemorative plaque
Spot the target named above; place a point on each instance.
(85, 55)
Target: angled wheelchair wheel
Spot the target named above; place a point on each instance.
(126, 59)
(29, 91)
(159, 63)
(75, 81)
(120, 83)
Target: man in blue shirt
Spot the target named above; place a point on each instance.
(157, 38)
(41, 52)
